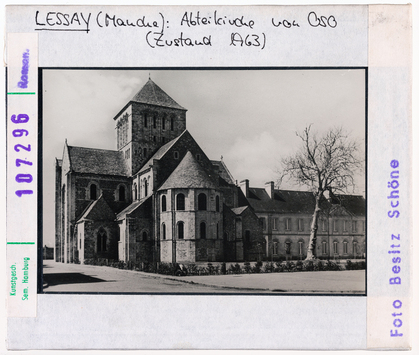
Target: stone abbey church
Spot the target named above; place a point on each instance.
(159, 198)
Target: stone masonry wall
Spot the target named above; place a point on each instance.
(91, 230)
(254, 249)
(153, 136)
(296, 232)
(107, 185)
(59, 243)
(168, 163)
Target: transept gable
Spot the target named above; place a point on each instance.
(161, 152)
(98, 210)
(168, 157)
(66, 162)
(223, 171)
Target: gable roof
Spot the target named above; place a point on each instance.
(188, 174)
(160, 152)
(97, 161)
(98, 210)
(302, 202)
(152, 94)
(223, 171)
(131, 208)
(239, 210)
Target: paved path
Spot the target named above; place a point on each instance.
(59, 277)
(352, 281)
(87, 278)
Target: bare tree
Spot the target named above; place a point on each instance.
(328, 163)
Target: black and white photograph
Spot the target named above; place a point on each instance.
(209, 177)
(212, 181)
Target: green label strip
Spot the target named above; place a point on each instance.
(21, 93)
(20, 242)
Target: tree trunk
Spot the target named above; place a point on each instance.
(311, 249)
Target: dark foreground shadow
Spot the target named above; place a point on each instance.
(69, 278)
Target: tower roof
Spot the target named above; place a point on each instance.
(152, 94)
(188, 174)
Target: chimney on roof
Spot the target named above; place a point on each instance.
(269, 187)
(244, 185)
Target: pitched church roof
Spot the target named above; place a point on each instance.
(131, 208)
(152, 94)
(98, 210)
(188, 174)
(161, 152)
(97, 161)
(223, 171)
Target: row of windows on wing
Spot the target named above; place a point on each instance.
(345, 247)
(94, 192)
(180, 202)
(152, 120)
(323, 224)
(300, 245)
(180, 231)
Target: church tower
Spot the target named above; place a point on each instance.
(147, 122)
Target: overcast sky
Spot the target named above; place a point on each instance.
(247, 116)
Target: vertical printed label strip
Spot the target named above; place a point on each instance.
(22, 135)
(389, 178)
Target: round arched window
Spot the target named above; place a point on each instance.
(163, 203)
(135, 191)
(145, 188)
(101, 241)
(180, 202)
(121, 193)
(93, 192)
(202, 202)
(180, 230)
(163, 231)
(203, 230)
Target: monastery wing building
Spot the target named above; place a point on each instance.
(286, 218)
(159, 198)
